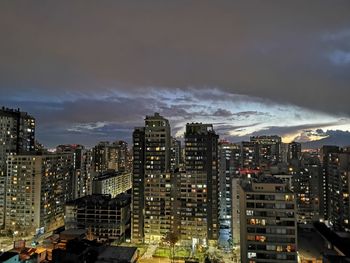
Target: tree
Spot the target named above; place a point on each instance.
(171, 238)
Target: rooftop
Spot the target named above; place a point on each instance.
(108, 175)
(266, 183)
(7, 255)
(116, 254)
(79, 250)
(13, 112)
(72, 233)
(311, 244)
(342, 244)
(120, 199)
(156, 117)
(199, 128)
(268, 179)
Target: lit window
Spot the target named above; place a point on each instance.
(251, 255)
(250, 212)
(260, 238)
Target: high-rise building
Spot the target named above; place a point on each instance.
(269, 149)
(175, 154)
(82, 168)
(235, 217)
(84, 181)
(40, 148)
(112, 183)
(229, 165)
(37, 188)
(268, 221)
(138, 186)
(199, 186)
(294, 151)
(249, 155)
(17, 130)
(328, 157)
(158, 209)
(111, 157)
(124, 163)
(307, 186)
(338, 171)
(152, 210)
(104, 157)
(284, 153)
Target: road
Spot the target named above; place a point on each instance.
(158, 260)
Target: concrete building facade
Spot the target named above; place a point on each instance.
(268, 222)
(37, 188)
(112, 183)
(105, 217)
(17, 136)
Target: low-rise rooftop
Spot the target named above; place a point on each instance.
(7, 255)
(109, 174)
(116, 254)
(121, 199)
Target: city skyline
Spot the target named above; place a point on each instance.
(207, 199)
(91, 72)
(175, 131)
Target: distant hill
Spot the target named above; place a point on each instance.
(335, 137)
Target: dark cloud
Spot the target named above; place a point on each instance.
(178, 112)
(319, 131)
(222, 113)
(293, 52)
(333, 137)
(225, 131)
(91, 70)
(89, 110)
(247, 114)
(225, 128)
(87, 120)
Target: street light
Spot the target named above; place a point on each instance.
(14, 234)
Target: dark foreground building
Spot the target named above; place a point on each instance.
(105, 217)
(199, 209)
(83, 251)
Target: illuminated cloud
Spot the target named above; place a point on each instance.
(88, 121)
(339, 57)
(331, 137)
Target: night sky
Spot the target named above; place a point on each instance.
(91, 70)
